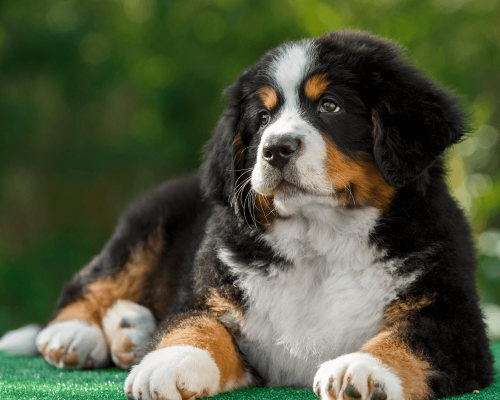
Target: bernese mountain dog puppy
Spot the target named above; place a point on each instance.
(318, 246)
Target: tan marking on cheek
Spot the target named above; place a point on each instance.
(268, 96)
(413, 370)
(209, 334)
(264, 210)
(127, 284)
(359, 182)
(374, 121)
(238, 151)
(316, 86)
(402, 309)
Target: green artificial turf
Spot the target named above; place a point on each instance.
(29, 377)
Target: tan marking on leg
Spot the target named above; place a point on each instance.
(69, 358)
(374, 121)
(316, 86)
(329, 389)
(124, 344)
(358, 182)
(55, 355)
(125, 359)
(402, 309)
(186, 394)
(158, 396)
(127, 284)
(123, 350)
(412, 369)
(268, 96)
(82, 309)
(43, 347)
(88, 362)
(226, 311)
(207, 333)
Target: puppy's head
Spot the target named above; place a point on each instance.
(342, 120)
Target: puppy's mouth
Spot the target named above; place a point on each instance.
(286, 184)
(284, 188)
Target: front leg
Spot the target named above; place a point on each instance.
(386, 367)
(428, 348)
(361, 376)
(195, 357)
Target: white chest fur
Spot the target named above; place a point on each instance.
(328, 304)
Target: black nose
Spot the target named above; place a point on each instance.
(279, 151)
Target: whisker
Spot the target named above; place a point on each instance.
(236, 170)
(252, 206)
(239, 189)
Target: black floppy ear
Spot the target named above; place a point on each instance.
(223, 150)
(415, 120)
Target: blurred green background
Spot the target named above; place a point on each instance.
(102, 100)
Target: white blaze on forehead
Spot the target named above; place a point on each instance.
(290, 67)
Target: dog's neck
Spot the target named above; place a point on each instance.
(322, 230)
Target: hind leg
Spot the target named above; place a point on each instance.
(101, 321)
(102, 314)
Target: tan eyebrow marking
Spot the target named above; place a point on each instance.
(268, 96)
(316, 86)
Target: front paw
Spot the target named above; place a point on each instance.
(174, 373)
(128, 327)
(356, 376)
(73, 344)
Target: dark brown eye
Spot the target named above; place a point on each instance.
(329, 106)
(264, 119)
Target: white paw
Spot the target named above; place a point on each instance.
(174, 373)
(73, 344)
(128, 327)
(356, 376)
